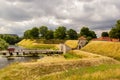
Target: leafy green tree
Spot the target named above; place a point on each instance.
(105, 34)
(49, 34)
(1, 36)
(84, 31)
(43, 30)
(3, 44)
(112, 33)
(92, 34)
(60, 32)
(89, 38)
(34, 32)
(27, 34)
(72, 34)
(89, 34)
(10, 38)
(115, 31)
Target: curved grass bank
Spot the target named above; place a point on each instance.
(46, 44)
(52, 64)
(39, 44)
(111, 49)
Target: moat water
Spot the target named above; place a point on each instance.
(4, 61)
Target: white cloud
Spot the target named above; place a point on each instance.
(16, 16)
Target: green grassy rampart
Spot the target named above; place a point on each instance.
(111, 49)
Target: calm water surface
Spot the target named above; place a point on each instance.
(5, 62)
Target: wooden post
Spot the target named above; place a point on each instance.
(23, 53)
(11, 54)
(4, 53)
(17, 53)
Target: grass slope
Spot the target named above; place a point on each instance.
(37, 44)
(48, 65)
(46, 44)
(101, 72)
(111, 49)
(72, 43)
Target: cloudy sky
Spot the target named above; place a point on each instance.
(16, 16)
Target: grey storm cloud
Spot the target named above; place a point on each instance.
(16, 16)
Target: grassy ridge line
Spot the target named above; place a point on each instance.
(37, 44)
(46, 44)
(101, 72)
(77, 54)
(43, 41)
(111, 49)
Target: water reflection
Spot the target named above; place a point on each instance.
(4, 61)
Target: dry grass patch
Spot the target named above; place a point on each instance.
(52, 64)
(84, 54)
(59, 63)
(101, 72)
(111, 49)
(72, 43)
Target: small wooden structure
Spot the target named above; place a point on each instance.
(11, 49)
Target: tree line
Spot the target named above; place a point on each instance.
(59, 33)
(62, 33)
(8, 39)
(114, 32)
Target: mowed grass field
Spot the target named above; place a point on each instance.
(111, 49)
(69, 68)
(37, 44)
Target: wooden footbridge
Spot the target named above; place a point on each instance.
(30, 52)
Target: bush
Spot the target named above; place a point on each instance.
(3, 44)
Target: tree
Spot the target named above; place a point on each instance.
(84, 31)
(115, 31)
(112, 33)
(10, 38)
(34, 33)
(49, 34)
(89, 34)
(72, 34)
(105, 34)
(3, 44)
(27, 34)
(60, 32)
(92, 34)
(43, 30)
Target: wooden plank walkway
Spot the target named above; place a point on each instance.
(27, 52)
(40, 51)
